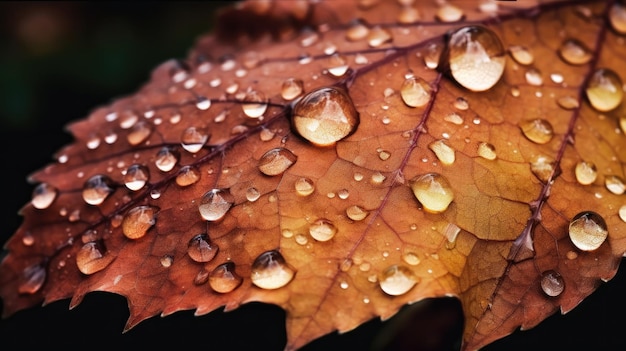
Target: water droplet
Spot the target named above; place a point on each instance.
(223, 279)
(476, 57)
(615, 184)
(304, 186)
(617, 17)
(357, 30)
(201, 249)
(444, 153)
(383, 154)
(337, 65)
(449, 13)
(215, 203)
(166, 159)
(194, 138)
(552, 283)
(451, 232)
(622, 213)
(276, 161)
(461, 104)
(433, 191)
(415, 92)
(453, 118)
(586, 172)
(356, 213)
(43, 196)
(346, 265)
(575, 52)
(203, 103)
(34, 277)
(604, 90)
(411, 258)
(252, 194)
(521, 55)
(542, 167)
(432, 56)
(408, 15)
(96, 189)
(93, 142)
(166, 261)
(138, 220)
(301, 239)
(325, 116)
(291, 88)
(378, 36)
(322, 230)
(537, 130)
(377, 178)
(397, 280)
(344, 285)
(271, 271)
(93, 257)
(136, 177)
(568, 102)
(588, 230)
(487, 151)
(255, 104)
(533, 77)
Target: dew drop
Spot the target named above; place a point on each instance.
(615, 184)
(568, 102)
(444, 153)
(304, 186)
(322, 230)
(215, 203)
(325, 116)
(136, 177)
(166, 261)
(301, 239)
(453, 118)
(43, 196)
(408, 15)
(357, 30)
(202, 277)
(586, 172)
(203, 103)
(223, 279)
(346, 265)
(201, 249)
(574, 52)
(533, 77)
(604, 90)
(166, 159)
(271, 271)
(337, 65)
(487, 151)
(291, 88)
(552, 283)
(461, 104)
(588, 230)
(138, 220)
(194, 138)
(252, 194)
(537, 130)
(96, 189)
(93, 257)
(449, 13)
(622, 213)
(432, 56)
(521, 55)
(255, 104)
(187, 176)
(476, 58)
(617, 17)
(28, 239)
(415, 92)
(542, 167)
(356, 213)
(397, 280)
(377, 178)
(34, 276)
(411, 258)
(433, 191)
(378, 36)
(276, 161)
(383, 154)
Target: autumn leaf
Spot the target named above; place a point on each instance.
(351, 159)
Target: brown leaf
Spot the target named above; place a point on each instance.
(337, 220)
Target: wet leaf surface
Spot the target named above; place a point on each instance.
(305, 197)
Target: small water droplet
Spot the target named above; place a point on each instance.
(93, 257)
(337, 65)
(138, 221)
(28, 239)
(203, 103)
(346, 265)
(449, 13)
(377, 178)
(487, 151)
(344, 285)
(194, 138)
(588, 230)
(444, 153)
(453, 118)
(166, 159)
(451, 232)
(96, 189)
(255, 104)
(223, 279)
(271, 271)
(586, 172)
(43, 196)
(291, 88)
(568, 102)
(408, 15)
(383, 154)
(357, 30)
(201, 249)
(605, 91)
(575, 52)
(533, 77)
(521, 55)
(215, 203)
(542, 167)
(617, 17)
(432, 56)
(615, 184)
(93, 142)
(537, 130)
(411, 258)
(356, 213)
(304, 186)
(325, 116)
(552, 283)
(136, 177)
(166, 261)
(378, 36)
(476, 57)
(461, 104)
(252, 194)
(276, 161)
(34, 276)
(397, 280)
(415, 92)
(433, 191)
(622, 213)
(322, 230)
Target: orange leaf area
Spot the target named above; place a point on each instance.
(352, 159)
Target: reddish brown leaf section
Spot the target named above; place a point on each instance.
(352, 158)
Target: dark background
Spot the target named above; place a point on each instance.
(60, 60)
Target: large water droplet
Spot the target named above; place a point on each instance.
(397, 280)
(201, 249)
(271, 271)
(136, 177)
(322, 230)
(415, 92)
(325, 116)
(588, 230)
(537, 130)
(433, 191)
(166, 159)
(96, 189)
(586, 172)
(194, 138)
(291, 88)
(304, 186)
(605, 91)
(552, 283)
(575, 52)
(444, 153)
(476, 57)
(215, 203)
(138, 220)
(276, 161)
(43, 196)
(223, 279)
(617, 17)
(93, 257)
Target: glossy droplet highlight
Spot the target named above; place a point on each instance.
(43, 196)
(201, 249)
(223, 279)
(476, 57)
(542, 167)
(276, 161)
(588, 230)
(194, 138)
(521, 55)
(166, 159)
(444, 153)
(271, 271)
(255, 104)
(356, 213)
(433, 191)
(449, 13)
(138, 221)
(397, 280)
(605, 91)
(537, 130)
(215, 203)
(614, 184)
(487, 151)
(96, 189)
(92, 258)
(574, 52)
(291, 88)
(415, 92)
(617, 17)
(552, 283)
(304, 186)
(337, 65)
(136, 176)
(322, 230)
(325, 116)
(586, 172)
(378, 36)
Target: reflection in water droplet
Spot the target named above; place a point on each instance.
(586, 172)
(397, 280)
(444, 153)
(93, 257)
(486, 151)
(552, 283)
(255, 104)
(617, 17)
(604, 90)
(325, 116)
(408, 15)
(166, 159)
(291, 88)
(542, 167)
(138, 220)
(96, 189)
(201, 249)
(43, 196)
(356, 213)
(215, 203)
(304, 186)
(415, 92)
(194, 138)
(521, 55)
(252, 194)
(476, 57)
(615, 184)
(588, 230)
(378, 36)
(223, 279)
(34, 276)
(537, 130)
(271, 271)
(574, 52)
(187, 176)
(432, 56)
(276, 161)
(449, 13)
(322, 230)
(337, 65)
(136, 177)
(433, 191)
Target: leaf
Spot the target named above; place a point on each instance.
(503, 235)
